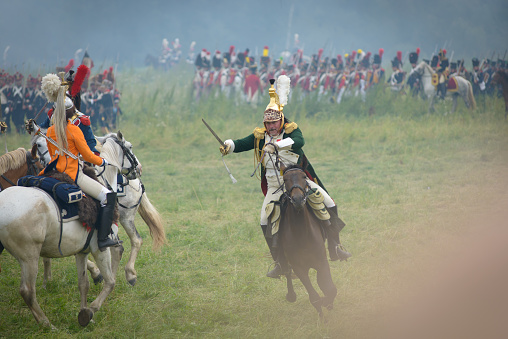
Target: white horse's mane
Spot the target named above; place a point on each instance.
(12, 160)
(425, 65)
(111, 152)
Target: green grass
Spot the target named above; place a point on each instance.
(393, 173)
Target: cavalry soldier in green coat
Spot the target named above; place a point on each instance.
(284, 137)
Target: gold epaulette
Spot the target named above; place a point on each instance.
(290, 127)
(259, 132)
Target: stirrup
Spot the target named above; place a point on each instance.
(276, 272)
(108, 242)
(342, 253)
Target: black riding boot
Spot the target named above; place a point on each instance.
(335, 249)
(104, 223)
(281, 264)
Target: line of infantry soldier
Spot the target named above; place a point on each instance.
(241, 76)
(23, 99)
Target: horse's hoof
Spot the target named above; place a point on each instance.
(98, 279)
(84, 316)
(132, 282)
(291, 297)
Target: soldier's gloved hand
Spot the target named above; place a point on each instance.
(3, 127)
(224, 149)
(228, 147)
(29, 126)
(270, 148)
(104, 162)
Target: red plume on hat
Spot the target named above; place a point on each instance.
(80, 76)
(320, 53)
(353, 54)
(231, 49)
(417, 50)
(381, 52)
(339, 59)
(105, 73)
(69, 65)
(399, 56)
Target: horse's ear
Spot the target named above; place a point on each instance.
(33, 153)
(119, 135)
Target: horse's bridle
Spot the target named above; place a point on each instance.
(305, 190)
(130, 173)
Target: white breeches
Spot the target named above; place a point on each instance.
(92, 187)
(273, 185)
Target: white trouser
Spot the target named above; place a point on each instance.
(92, 187)
(273, 185)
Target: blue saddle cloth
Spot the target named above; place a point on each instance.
(65, 195)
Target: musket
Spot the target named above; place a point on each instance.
(222, 144)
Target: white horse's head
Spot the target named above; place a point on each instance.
(118, 152)
(423, 68)
(42, 148)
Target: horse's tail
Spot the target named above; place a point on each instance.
(470, 96)
(154, 221)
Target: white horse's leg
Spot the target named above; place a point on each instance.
(94, 272)
(29, 268)
(47, 271)
(127, 221)
(83, 283)
(103, 260)
(454, 107)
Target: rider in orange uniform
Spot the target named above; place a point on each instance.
(70, 140)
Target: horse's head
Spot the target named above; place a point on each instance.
(127, 161)
(295, 182)
(42, 148)
(421, 68)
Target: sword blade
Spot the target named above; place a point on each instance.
(214, 134)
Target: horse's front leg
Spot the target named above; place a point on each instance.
(47, 271)
(454, 106)
(103, 260)
(83, 283)
(291, 295)
(314, 297)
(325, 282)
(127, 221)
(94, 272)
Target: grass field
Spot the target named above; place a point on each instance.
(407, 184)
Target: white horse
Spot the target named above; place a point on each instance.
(30, 228)
(464, 88)
(133, 200)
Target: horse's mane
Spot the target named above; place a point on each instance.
(424, 65)
(12, 160)
(111, 151)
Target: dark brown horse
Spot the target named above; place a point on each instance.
(16, 164)
(302, 240)
(500, 77)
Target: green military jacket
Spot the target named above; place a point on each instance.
(256, 141)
